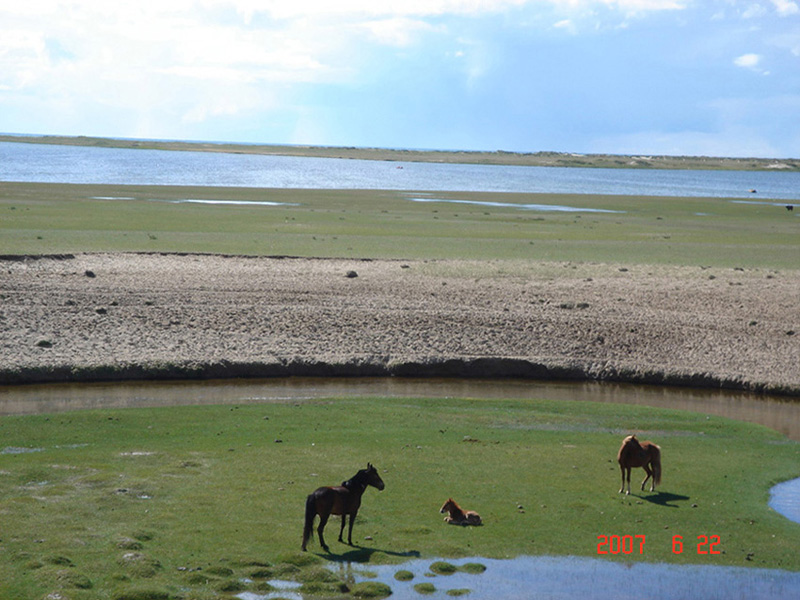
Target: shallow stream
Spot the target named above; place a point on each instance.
(568, 578)
(779, 413)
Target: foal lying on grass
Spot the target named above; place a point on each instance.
(458, 516)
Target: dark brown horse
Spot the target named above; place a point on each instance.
(634, 453)
(342, 500)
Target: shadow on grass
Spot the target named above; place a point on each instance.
(664, 499)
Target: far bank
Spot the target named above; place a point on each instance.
(123, 316)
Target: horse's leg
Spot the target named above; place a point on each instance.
(350, 530)
(622, 472)
(628, 478)
(647, 470)
(323, 519)
(341, 529)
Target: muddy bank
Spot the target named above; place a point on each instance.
(92, 317)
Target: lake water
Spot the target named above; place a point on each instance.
(74, 164)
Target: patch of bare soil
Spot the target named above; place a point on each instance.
(152, 316)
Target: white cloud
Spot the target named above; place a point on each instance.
(786, 8)
(754, 11)
(398, 31)
(370, 9)
(747, 61)
(624, 6)
(566, 25)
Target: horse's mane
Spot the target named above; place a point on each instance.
(357, 480)
(629, 441)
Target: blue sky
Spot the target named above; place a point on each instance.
(693, 77)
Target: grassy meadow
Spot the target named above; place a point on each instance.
(60, 218)
(194, 502)
(201, 502)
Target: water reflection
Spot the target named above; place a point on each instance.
(570, 577)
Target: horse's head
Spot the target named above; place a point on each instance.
(631, 440)
(630, 447)
(447, 506)
(372, 477)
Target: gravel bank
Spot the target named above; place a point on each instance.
(132, 316)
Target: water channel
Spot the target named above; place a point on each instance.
(779, 413)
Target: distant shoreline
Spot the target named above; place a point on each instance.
(499, 157)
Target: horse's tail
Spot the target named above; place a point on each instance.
(311, 512)
(656, 462)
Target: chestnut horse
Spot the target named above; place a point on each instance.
(338, 500)
(634, 453)
(459, 516)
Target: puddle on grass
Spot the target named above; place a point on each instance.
(784, 498)
(205, 201)
(233, 202)
(286, 590)
(539, 207)
(16, 450)
(572, 577)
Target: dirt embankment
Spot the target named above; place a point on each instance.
(150, 316)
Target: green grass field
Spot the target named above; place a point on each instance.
(189, 501)
(56, 218)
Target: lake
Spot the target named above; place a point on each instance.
(22, 162)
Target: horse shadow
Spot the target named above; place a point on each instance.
(362, 554)
(665, 499)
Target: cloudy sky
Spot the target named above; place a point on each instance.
(712, 77)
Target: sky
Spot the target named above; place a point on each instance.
(673, 77)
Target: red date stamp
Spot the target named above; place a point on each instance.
(620, 544)
(634, 544)
(706, 544)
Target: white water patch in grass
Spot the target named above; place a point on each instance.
(18, 450)
(111, 198)
(761, 202)
(534, 207)
(590, 578)
(233, 202)
(282, 589)
(784, 498)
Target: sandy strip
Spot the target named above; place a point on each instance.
(154, 316)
